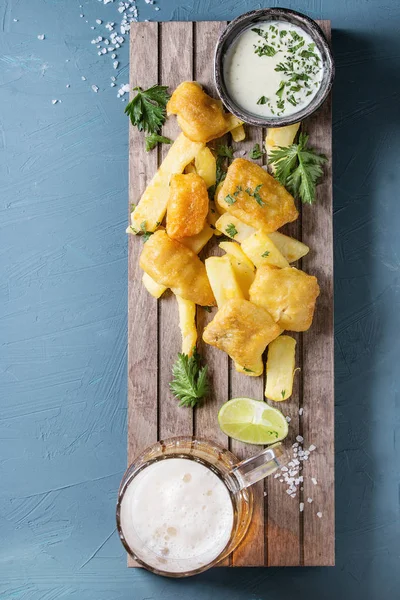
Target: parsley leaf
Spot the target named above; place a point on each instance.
(246, 370)
(225, 151)
(147, 109)
(283, 394)
(229, 199)
(189, 384)
(146, 234)
(265, 254)
(231, 230)
(298, 168)
(153, 139)
(265, 50)
(262, 100)
(256, 152)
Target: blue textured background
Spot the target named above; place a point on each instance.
(63, 203)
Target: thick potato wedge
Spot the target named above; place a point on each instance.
(154, 288)
(256, 198)
(187, 324)
(172, 264)
(221, 208)
(262, 251)
(238, 134)
(197, 242)
(190, 168)
(233, 227)
(242, 266)
(222, 278)
(152, 206)
(206, 166)
(187, 206)
(280, 136)
(280, 368)
(291, 248)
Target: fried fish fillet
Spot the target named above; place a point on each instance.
(243, 331)
(174, 265)
(200, 117)
(255, 197)
(288, 294)
(187, 206)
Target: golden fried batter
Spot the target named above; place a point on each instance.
(171, 264)
(255, 197)
(243, 331)
(288, 294)
(187, 206)
(200, 117)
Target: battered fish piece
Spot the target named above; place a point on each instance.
(255, 197)
(200, 117)
(187, 206)
(174, 265)
(288, 294)
(243, 331)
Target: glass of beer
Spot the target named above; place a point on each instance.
(186, 503)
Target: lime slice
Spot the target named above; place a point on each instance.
(252, 421)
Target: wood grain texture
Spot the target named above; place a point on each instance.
(279, 534)
(318, 352)
(176, 66)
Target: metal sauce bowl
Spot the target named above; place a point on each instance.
(251, 19)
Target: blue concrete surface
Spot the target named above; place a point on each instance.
(63, 261)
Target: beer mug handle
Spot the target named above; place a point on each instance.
(260, 465)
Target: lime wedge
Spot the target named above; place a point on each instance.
(252, 421)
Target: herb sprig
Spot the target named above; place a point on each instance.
(147, 112)
(224, 155)
(298, 167)
(190, 384)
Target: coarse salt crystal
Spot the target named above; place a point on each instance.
(309, 500)
(112, 84)
(99, 21)
(314, 480)
(40, 36)
(95, 88)
(115, 64)
(312, 448)
(83, 78)
(81, 16)
(67, 86)
(288, 419)
(15, 20)
(300, 411)
(54, 101)
(319, 514)
(301, 506)
(299, 438)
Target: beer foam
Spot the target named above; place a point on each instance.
(177, 515)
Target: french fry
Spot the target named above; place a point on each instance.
(238, 134)
(239, 232)
(190, 168)
(154, 288)
(152, 206)
(280, 136)
(222, 279)
(291, 248)
(242, 266)
(232, 122)
(217, 198)
(261, 250)
(206, 165)
(197, 242)
(280, 368)
(187, 324)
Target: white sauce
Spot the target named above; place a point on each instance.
(275, 71)
(177, 515)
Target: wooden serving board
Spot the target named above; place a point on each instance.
(280, 535)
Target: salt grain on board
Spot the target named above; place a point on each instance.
(41, 36)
